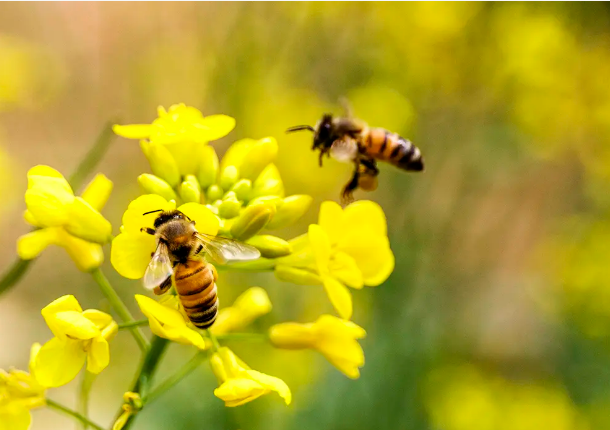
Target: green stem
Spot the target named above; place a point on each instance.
(243, 336)
(83, 398)
(191, 365)
(215, 344)
(95, 154)
(119, 306)
(133, 324)
(145, 374)
(67, 411)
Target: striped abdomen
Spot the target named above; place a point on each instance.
(196, 288)
(390, 147)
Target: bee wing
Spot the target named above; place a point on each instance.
(344, 150)
(159, 268)
(224, 250)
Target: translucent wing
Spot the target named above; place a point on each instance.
(223, 250)
(344, 150)
(159, 268)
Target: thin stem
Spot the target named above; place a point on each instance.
(191, 365)
(133, 324)
(145, 374)
(16, 270)
(119, 306)
(67, 411)
(243, 336)
(215, 344)
(83, 398)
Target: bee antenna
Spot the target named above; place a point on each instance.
(152, 212)
(300, 127)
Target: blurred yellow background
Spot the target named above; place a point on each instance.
(498, 313)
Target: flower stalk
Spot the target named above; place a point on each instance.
(71, 413)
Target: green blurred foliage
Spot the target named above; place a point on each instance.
(501, 245)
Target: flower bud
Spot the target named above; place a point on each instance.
(162, 163)
(98, 191)
(274, 200)
(152, 184)
(270, 246)
(214, 193)
(268, 187)
(297, 275)
(208, 167)
(189, 190)
(242, 189)
(229, 206)
(87, 223)
(251, 156)
(252, 220)
(228, 177)
(292, 209)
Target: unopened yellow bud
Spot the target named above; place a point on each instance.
(274, 200)
(214, 193)
(228, 177)
(292, 209)
(87, 223)
(252, 220)
(268, 183)
(229, 206)
(270, 246)
(162, 163)
(98, 191)
(189, 190)
(208, 167)
(251, 156)
(242, 189)
(297, 275)
(152, 184)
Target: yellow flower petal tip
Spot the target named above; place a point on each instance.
(250, 305)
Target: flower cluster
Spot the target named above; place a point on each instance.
(60, 218)
(237, 198)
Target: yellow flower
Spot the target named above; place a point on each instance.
(79, 336)
(74, 223)
(251, 304)
(131, 406)
(19, 393)
(239, 384)
(183, 130)
(132, 249)
(331, 336)
(348, 248)
(168, 322)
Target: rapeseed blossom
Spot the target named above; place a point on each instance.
(251, 304)
(19, 393)
(62, 219)
(333, 337)
(79, 336)
(347, 248)
(239, 384)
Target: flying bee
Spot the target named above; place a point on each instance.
(351, 140)
(180, 252)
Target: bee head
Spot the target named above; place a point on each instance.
(323, 137)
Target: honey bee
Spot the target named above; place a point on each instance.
(180, 252)
(351, 140)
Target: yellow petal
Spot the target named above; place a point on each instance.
(134, 218)
(30, 245)
(58, 362)
(40, 174)
(331, 220)
(98, 191)
(15, 417)
(63, 304)
(74, 325)
(48, 202)
(238, 391)
(291, 335)
(296, 275)
(87, 223)
(98, 356)
(29, 218)
(217, 126)
(152, 309)
(371, 253)
(133, 131)
(291, 210)
(131, 253)
(99, 318)
(339, 296)
(320, 244)
(86, 255)
(366, 214)
(152, 184)
(271, 383)
(205, 221)
(344, 268)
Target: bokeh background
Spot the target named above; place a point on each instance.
(498, 313)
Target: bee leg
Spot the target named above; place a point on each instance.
(148, 230)
(352, 185)
(371, 166)
(166, 285)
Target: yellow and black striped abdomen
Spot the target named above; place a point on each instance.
(384, 145)
(196, 288)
